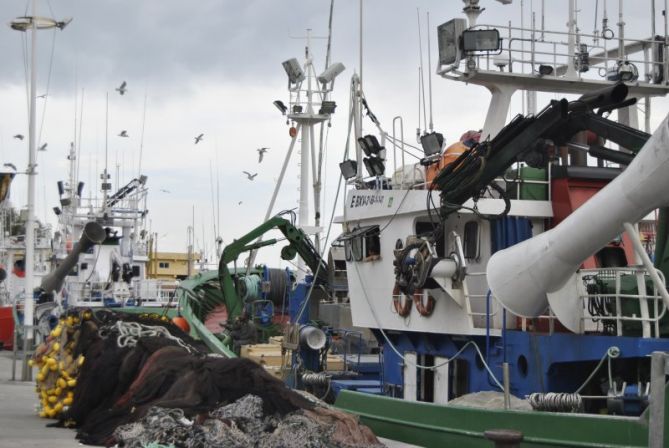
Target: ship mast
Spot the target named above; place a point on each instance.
(32, 23)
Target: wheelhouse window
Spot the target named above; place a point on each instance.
(361, 244)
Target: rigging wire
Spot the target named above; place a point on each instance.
(421, 70)
(48, 84)
(141, 139)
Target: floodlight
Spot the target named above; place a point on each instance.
(349, 169)
(545, 70)
(293, 70)
(61, 188)
(80, 188)
(327, 107)
(297, 109)
(57, 211)
(331, 73)
(370, 145)
(448, 37)
(481, 40)
(432, 143)
(374, 165)
(282, 107)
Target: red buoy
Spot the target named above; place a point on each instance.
(181, 323)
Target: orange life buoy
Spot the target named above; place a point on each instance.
(403, 309)
(424, 308)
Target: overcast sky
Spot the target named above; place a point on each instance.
(214, 67)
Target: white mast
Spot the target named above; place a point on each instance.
(32, 23)
(29, 260)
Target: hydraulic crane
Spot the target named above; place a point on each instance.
(298, 244)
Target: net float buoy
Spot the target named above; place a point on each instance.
(181, 323)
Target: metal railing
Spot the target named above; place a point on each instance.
(532, 47)
(617, 297)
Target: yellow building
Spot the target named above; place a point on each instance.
(171, 265)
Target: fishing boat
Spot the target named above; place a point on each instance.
(112, 272)
(512, 295)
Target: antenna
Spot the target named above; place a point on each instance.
(429, 69)
(105, 175)
(78, 139)
(213, 205)
(422, 81)
(141, 139)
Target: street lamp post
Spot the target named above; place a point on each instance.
(32, 23)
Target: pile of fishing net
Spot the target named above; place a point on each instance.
(244, 424)
(143, 380)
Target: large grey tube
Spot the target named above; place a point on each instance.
(521, 276)
(92, 234)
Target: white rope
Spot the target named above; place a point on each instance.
(130, 332)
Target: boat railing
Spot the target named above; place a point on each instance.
(483, 298)
(518, 181)
(144, 293)
(526, 49)
(613, 308)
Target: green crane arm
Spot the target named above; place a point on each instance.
(299, 243)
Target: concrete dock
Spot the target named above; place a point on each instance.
(20, 427)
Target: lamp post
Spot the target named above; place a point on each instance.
(32, 23)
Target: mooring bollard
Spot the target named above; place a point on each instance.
(504, 438)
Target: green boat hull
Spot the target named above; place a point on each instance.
(431, 425)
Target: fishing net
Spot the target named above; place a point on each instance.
(141, 380)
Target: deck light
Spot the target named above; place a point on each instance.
(481, 40)
(545, 70)
(293, 70)
(348, 168)
(432, 143)
(282, 107)
(374, 165)
(370, 145)
(327, 107)
(331, 73)
(57, 211)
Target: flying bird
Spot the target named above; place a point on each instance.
(19, 136)
(41, 96)
(240, 202)
(261, 153)
(122, 88)
(199, 138)
(43, 147)
(164, 191)
(124, 133)
(249, 175)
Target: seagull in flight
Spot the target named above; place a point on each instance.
(122, 88)
(261, 153)
(164, 191)
(42, 96)
(124, 133)
(240, 202)
(19, 136)
(199, 138)
(43, 147)
(249, 175)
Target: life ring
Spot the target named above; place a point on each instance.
(403, 309)
(425, 309)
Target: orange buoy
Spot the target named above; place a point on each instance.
(181, 323)
(292, 131)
